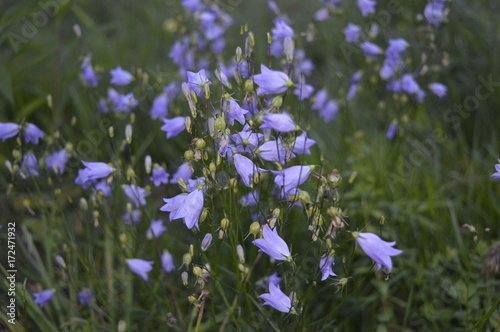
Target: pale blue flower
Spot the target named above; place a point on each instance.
(8, 130)
(377, 249)
(85, 297)
(277, 299)
(167, 262)
(43, 297)
(496, 175)
(32, 133)
(140, 267)
(271, 81)
(281, 122)
(325, 265)
(174, 126)
(120, 76)
(156, 229)
(273, 245)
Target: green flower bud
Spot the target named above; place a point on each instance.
(224, 223)
(220, 123)
(189, 155)
(200, 143)
(255, 228)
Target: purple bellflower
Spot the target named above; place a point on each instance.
(352, 33)
(273, 245)
(197, 81)
(185, 206)
(29, 165)
(183, 172)
(43, 297)
(134, 217)
(438, 89)
(8, 130)
(325, 265)
(392, 130)
(136, 194)
(156, 229)
(85, 297)
(140, 267)
(88, 75)
(271, 81)
(103, 187)
(167, 262)
(371, 50)
(329, 111)
(366, 7)
(159, 175)
(292, 177)
(160, 107)
(246, 169)
(496, 175)
(233, 111)
(434, 12)
(281, 122)
(246, 140)
(92, 171)
(174, 126)
(319, 100)
(303, 144)
(277, 299)
(120, 76)
(377, 249)
(275, 151)
(32, 133)
(57, 161)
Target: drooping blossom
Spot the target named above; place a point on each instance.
(329, 111)
(184, 172)
(271, 81)
(140, 267)
(174, 126)
(496, 175)
(277, 299)
(198, 81)
(120, 76)
(32, 133)
(29, 165)
(159, 175)
(366, 7)
(43, 297)
(291, 177)
(246, 169)
(57, 161)
(434, 12)
(303, 144)
(185, 206)
(134, 217)
(88, 75)
(92, 171)
(8, 130)
(273, 245)
(377, 249)
(156, 229)
(392, 130)
(167, 262)
(136, 194)
(325, 265)
(352, 33)
(233, 111)
(438, 89)
(281, 122)
(371, 50)
(275, 150)
(85, 297)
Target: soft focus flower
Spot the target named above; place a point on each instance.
(438, 89)
(391, 131)
(134, 217)
(274, 279)
(183, 172)
(167, 262)
(103, 187)
(160, 107)
(140, 267)
(291, 177)
(273, 245)
(207, 240)
(29, 165)
(136, 194)
(88, 74)
(246, 168)
(32, 133)
(174, 126)
(303, 143)
(377, 249)
(92, 171)
(249, 199)
(159, 175)
(57, 161)
(371, 50)
(156, 229)
(496, 175)
(277, 299)
(281, 122)
(120, 76)
(85, 297)
(197, 81)
(233, 111)
(8, 130)
(352, 33)
(325, 265)
(434, 12)
(271, 81)
(43, 297)
(366, 7)
(329, 111)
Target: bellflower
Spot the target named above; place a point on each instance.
(140, 267)
(85, 297)
(320, 100)
(29, 165)
(377, 249)
(496, 175)
(281, 122)
(274, 279)
(291, 177)
(183, 172)
(302, 144)
(303, 90)
(249, 199)
(134, 217)
(92, 171)
(392, 130)
(156, 229)
(371, 50)
(246, 169)
(352, 33)
(434, 12)
(57, 161)
(246, 140)
(275, 151)
(120, 76)
(103, 187)
(160, 107)
(159, 176)
(167, 262)
(277, 299)
(43, 297)
(88, 74)
(329, 111)
(207, 240)
(185, 206)
(409, 84)
(366, 7)
(136, 194)
(174, 126)
(32, 133)
(438, 89)
(233, 111)
(8, 130)
(197, 81)
(325, 265)
(273, 245)
(271, 81)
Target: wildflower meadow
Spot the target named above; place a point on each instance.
(238, 165)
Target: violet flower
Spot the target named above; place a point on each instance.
(32, 133)
(174, 126)
(271, 81)
(281, 122)
(233, 111)
(392, 130)
(352, 33)
(167, 262)
(246, 169)
(43, 297)
(366, 7)
(160, 107)
(371, 50)
(329, 111)
(85, 297)
(246, 140)
(140, 267)
(438, 89)
(185, 206)
(377, 249)
(292, 177)
(273, 245)
(29, 165)
(88, 74)
(159, 176)
(325, 265)
(197, 81)
(57, 161)
(136, 194)
(8, 130)
(120, 76)
(156, 229)
(275, 151)
(184, 172)
(277, 299)
(496, 175)
(303, 144)
(92, 171)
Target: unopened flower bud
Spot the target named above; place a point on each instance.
(132, 118)
(289, 47)
(128, 134)
(224, 223)
(73, 121)
(186, 259)
(192, 299)
(382, 220)
(122, 326)
(147, 164)
(277, 101)
(61, 261)
(200, 143)
(240, 253)
(77, 30)
(189, 155)
(239, 54)
(111, 132)
(49, 100)
(248, 85)
(220, 124)
(276, 212)
(187, 123)
(197, 271)
(184, 277)
(203, 215)
(206, 89)
(233, 183)
(352, 177)
(255, 228)
(83, 204)
(191, 250)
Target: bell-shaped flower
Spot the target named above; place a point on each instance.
(246, 168)
(160, 107)
(159, 175)
(292, 177)
(277, 299)
(329, 111)
(174, 126)
(377, 249)
(120, 76)
(281, 122)
(167, 262)
(156, 229)
(88, 75)
(197, 81)
(92, 171)
(43, 297)
(303, 144)
(325, 265)
(496, 175)
(352, 33)
(29, 165)
(140, 267)
(183, 172)
(185, 206)
(233, 111)
(57, 161)
(85, 297)
(246, 140)
(366, 7)
(438, 89)
(273, 245)
(271, 81)
(8, 130)
(136, 194)
(32, 133)
(275, 151)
